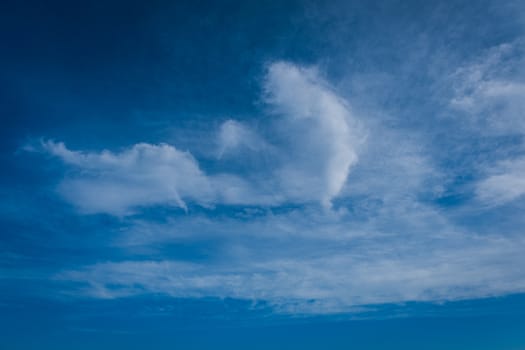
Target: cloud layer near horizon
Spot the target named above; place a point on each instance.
(323, 270)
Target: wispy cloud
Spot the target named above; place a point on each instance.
(373, 273)
(492, 93)
(235, 136)
(492, 89)
(506, 184)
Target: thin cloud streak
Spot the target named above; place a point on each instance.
(372, 275)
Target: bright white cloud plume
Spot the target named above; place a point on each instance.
(323, 135)
(311, 161)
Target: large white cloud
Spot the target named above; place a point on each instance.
(310, 162)
(492, 89)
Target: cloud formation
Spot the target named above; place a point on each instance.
(142, 175)
(318, 146)
(492, 92)
(388, 242)
(464, 267)
(234, 135)
(505, 184)
(324, 136)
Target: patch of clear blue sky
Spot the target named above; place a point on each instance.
(167, 324)
(110, 74)
(158, 323)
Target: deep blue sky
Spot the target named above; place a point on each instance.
(267, 175)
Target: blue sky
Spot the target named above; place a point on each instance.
(277, 174)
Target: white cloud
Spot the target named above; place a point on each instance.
(311, 161)
(506, 184)
(142, 175)
(311, 261)
(322, 134)
(376, 273)
(492, 90)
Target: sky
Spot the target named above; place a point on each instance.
(262, 174)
